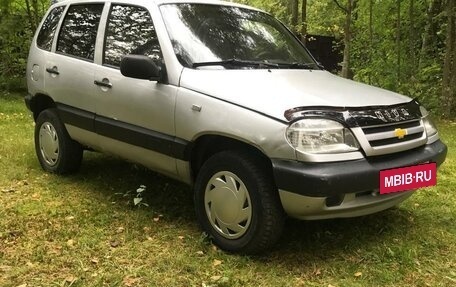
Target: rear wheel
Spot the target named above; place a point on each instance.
(56, 151)
(237, 204)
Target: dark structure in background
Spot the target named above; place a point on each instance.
(326, 51)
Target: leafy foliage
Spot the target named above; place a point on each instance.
(14, 48)
(397, 45)
(18, 21)
(393, 56)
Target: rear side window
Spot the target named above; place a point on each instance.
(130, 31)
(46, 34)
(79, 31)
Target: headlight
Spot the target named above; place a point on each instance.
(321, 136)
(428, 124)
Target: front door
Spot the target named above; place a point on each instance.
(135, 118)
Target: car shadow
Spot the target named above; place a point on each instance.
(307, 244)
(303, 243)
(118, 180)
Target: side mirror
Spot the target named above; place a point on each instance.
(140, 67)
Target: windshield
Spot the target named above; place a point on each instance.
(208, 36)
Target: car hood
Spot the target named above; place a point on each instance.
(272, 92)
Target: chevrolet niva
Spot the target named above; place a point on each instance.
(225, 98)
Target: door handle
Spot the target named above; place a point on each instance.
(53, 70)
(103, 84)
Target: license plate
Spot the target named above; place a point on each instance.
(408, 178)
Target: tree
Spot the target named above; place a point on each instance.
(448, 103)
(398, 42)
(294, 11)
(33, 13)
(348, 10)
(403, 45)
(412, 37)
(430, 32)
(371, 37)
(304, 21)
(18, 22)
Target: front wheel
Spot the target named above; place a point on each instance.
(237, 203)
(56, 151)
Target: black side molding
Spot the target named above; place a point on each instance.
(76, 117)
(145, 138)
(163, 143)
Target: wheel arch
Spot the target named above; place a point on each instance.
(207, 145)
(39, 103)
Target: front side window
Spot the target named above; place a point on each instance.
(204, 35)
(46, 34)
(79, 31)
(130, 31)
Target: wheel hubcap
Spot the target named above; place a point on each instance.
(228, 205)
(49, 143)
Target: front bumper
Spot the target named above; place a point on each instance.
(334, 178)
(345, 189)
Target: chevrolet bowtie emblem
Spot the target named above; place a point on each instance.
(400, 133)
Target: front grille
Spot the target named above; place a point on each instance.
(393, 137)
(391, 127)
(389, 141)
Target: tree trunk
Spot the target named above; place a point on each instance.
(449, 67)
(34, 13)
(430, 32)
(304, 21)
(30, 15)
(294, 14)
(411, 51)
(346, 63)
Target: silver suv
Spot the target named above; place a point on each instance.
(224, 98)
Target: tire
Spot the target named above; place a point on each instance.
(56, 151)
(237, 203)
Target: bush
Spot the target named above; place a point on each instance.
(15, 37)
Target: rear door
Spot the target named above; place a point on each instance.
(69, 72)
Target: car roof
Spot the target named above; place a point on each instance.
(159, 2)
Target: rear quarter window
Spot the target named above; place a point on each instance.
(47, 31)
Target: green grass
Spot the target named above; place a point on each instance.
(80, 230)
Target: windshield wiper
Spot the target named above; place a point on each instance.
(237, 62)
(297, 65)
